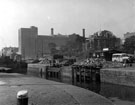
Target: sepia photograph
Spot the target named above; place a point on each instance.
(67, 52)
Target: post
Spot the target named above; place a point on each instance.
(98, 75)
(75, 75)
(72, 75)
(60, 74)
(84, 69)
(80, 75)
(46, 72)
(90, 76)
(22, 97)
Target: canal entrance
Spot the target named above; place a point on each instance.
(110, 91)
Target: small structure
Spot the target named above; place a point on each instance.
(108, 54)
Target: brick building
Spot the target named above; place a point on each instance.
(32, 45)
(103, 39)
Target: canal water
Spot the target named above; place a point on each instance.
(118, 94)
(113, 92)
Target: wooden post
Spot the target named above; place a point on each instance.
(80, 75)
(84, 75)
(75, 75)
(98, 75)
(53, 74)
(73, 81)
(60, 73)
(46, 72)
(90, 75)
(41, 72)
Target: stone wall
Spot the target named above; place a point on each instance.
(66, 74)
(39, 70)
(36, 69)
(118, 76)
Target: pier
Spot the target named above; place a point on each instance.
(76, 73)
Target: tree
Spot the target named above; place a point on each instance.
(129, 45)
(73, 46)
(52, 45)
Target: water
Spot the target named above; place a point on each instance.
(111, 91)
(121, 92)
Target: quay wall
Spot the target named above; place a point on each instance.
(120, 76)
(36, 69)
(66, 74)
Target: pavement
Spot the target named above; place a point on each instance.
(45, 92)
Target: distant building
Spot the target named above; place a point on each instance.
(32, 45)
(103, 40)
(7, 51)
(128, 34)
(27, 41)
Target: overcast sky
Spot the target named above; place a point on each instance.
(65, 16)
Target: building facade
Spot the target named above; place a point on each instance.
(28, 42)
(103, 40)
(32, 45)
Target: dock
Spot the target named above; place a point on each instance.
(85, 74)
(75, 73)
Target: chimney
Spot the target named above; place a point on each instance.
(52, 33)
(83, 32)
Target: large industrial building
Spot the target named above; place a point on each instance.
(103, 40)
(32, 45)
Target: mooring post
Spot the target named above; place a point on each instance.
(22, 97)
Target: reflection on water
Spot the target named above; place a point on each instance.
(119, 91)
(111, 90)
(93, 86)
(105, 89)
(108, 90)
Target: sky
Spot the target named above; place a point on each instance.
(65, 16)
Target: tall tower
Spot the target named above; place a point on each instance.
(83, 32)
(52, 31)
(28, 42)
